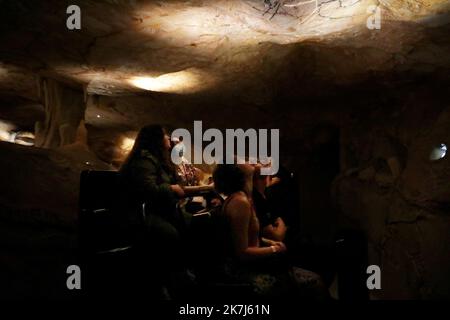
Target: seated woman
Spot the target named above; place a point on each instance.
(195, 182)
(148, 176)
(187, 173)
(261, 266)
(300, 252)
(272, 226)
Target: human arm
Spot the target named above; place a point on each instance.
(239, 214)
(273, 181)
(275, 231)
(270, 242)
(197, 190)
(151, 181)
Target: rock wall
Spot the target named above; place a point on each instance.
(391, 189)
(40, 186)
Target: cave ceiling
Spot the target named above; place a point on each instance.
(255, 50)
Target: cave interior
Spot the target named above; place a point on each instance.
(359, 90)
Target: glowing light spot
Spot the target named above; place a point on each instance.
(127, 144)
(8, 133)
(177, 82)
(6, 129)
(438, 152)
(24, 138)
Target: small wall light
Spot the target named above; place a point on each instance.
(438, 152)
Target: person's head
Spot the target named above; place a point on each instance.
(155, 139)
(231, 178)
(228, 179)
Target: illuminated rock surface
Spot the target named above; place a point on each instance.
(317, 73)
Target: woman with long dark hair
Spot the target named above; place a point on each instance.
(258, 261)
(148, 176)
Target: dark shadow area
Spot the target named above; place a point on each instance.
(364, 123)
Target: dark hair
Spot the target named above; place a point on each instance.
(151, 138)
(228, 178)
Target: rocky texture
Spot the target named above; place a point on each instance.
(377, 100)
(215, 40)
(41, 185)
(64, 112)
(392, 190)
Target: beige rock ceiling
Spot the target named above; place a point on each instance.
(311, 71)
(216, 44)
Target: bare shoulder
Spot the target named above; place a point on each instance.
(239, 198)
(238, 205)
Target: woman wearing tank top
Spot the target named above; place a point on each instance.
(257, 261)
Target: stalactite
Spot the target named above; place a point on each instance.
(64, 113)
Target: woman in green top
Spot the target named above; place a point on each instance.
(148, 176)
